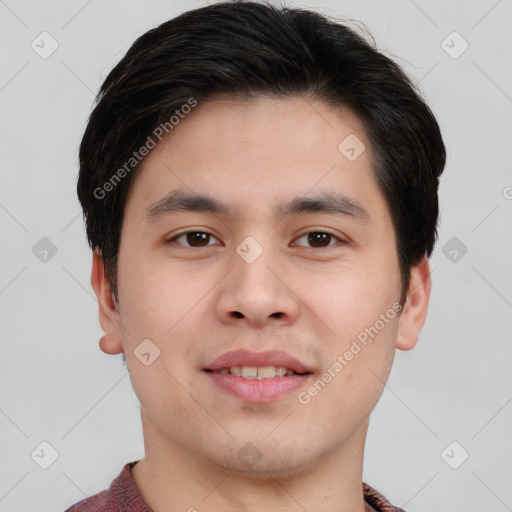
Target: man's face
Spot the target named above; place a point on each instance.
(306, 283)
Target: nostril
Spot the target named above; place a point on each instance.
(237, 314)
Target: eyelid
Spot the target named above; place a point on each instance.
(321, 230)
(314, 230)
(173, 238)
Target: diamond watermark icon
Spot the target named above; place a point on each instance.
(44, 455)
(249, 455)
(454, 45)
(454, 250)
(44, 250)
(146, 352)
(454, 455)
(44, 45)
(352, 147)
(249, 249)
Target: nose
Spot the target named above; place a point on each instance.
(258, 294)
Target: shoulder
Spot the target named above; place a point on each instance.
(95, 503)
(121, 496)
(378, 501)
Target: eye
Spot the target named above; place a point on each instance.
(193, 238)
(320, 239)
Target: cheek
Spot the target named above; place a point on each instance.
(154, 296)
(160, 307)
(356, 321)
(167, 306)
(347, 302)
(354, 377)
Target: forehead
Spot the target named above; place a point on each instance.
(265, 124)
(259, 148)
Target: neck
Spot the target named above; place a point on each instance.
(171, 478)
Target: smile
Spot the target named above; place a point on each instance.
(254, 372)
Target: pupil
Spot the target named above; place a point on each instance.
(196, 237)
(315, 238)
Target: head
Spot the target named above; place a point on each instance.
(255, 106)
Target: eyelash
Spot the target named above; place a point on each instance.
(326, 248)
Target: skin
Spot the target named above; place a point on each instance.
(252, 155)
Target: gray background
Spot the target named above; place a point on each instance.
(56, 386)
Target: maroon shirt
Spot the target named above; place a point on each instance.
(124, 496)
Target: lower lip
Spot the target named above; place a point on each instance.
(258, 390)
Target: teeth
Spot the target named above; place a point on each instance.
(235, 370)
(281, 372)
(249, 372)
(267, 372)
(253, 372)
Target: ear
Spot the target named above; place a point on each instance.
(111, 341)
(415, 308)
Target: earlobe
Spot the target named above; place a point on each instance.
(110, 342)
(109, 345)
(415, 308)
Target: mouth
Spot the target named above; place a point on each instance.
(258, 376)
(259, 373)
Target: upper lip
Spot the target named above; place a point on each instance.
(245, 357)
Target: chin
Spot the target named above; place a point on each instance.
(264, 458)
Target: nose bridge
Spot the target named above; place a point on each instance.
(255, 278)
(255, 291)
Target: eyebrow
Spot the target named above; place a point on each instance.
(180, 200)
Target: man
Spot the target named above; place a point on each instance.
(259, 186)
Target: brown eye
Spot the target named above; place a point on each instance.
(192, 239)
(197, 238)
(319, 239)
